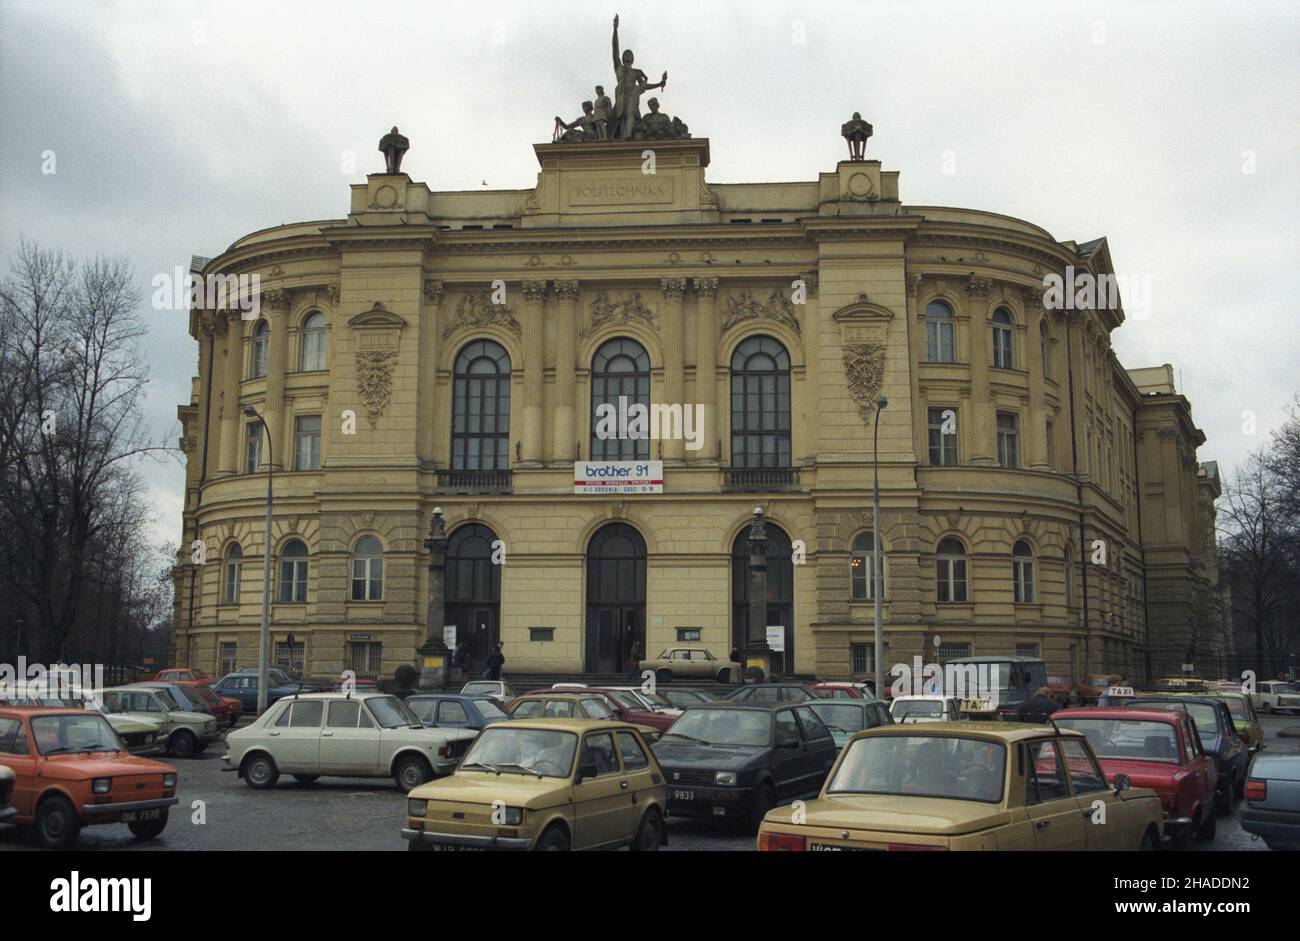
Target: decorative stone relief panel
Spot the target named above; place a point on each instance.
(477, 310)
(627, 310)
(745, 306)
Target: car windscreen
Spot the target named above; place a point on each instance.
(723, 726)
(423, 708)
(66, 734)
(1203, 714)
(511, 750)
(489, 708)
(1123, 738)
(170, 701)
(840, 718)
(1236, 706)
(922, 766)
(391, 713)
(913, 708)
(480, 688)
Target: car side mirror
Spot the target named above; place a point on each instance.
(1122, 783)
(586, 771)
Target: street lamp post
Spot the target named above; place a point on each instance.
(756, 649)
(876, 584)
(263, 641)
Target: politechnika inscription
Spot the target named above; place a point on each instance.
(622, 191)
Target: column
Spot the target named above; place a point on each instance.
(232, 327)
(983, 438)
(1037, 381)
(564, 440)
(706, 365)
(673, 293)
(277, 363)
(427, 373)
(534, 367)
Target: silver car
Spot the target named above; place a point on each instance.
(1272, 810)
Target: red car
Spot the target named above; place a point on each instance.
(225, 710)
(834, 690)
(182, 675)
(1156, 749)
(1059, 686)
(627, 706)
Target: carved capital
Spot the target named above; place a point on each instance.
(534, 290)
(433, 290)
(673, 288)
(328, 292)
(275, 299)
(566, 290)
(810, 281)
(914, 285)
(977, 286)
(705, 287)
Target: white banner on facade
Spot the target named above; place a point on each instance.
(602, 477)
(449, 636)
(776, 638)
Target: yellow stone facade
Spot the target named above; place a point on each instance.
(840, 273)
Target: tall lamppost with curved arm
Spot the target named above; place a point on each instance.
(263, 640)
(877, 587)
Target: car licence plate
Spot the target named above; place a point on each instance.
(138, 816)
(454, 848)
(679, 795)
(830, 848)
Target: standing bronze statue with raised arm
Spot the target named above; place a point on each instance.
(629, 84)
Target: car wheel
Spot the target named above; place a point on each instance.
(182, 744)
(148, 829)
(724, 676)
(410, 772)
(1266, 707)
(1148, 843)
(764, 800)
(306, 779)
(663, 677)
(650, 834)
(57, 825)
(1205, 832)
(260, 772)
(553, 840)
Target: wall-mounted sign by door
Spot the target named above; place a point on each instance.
(606, 477)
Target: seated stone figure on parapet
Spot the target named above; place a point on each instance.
(580, 130)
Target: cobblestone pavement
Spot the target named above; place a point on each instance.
(366, 814)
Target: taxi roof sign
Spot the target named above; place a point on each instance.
(1120, 692)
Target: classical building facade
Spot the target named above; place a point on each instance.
(454, 349)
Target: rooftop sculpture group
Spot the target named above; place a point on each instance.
(603, 120)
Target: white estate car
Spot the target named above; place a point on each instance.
(1276, 696)
(356, 736)
(909, 709)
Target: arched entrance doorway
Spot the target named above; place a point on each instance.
(615, 598)
(780, 592)
(473, 601)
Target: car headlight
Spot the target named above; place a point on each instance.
(169, 780)
(417, 808)
(102, 785)
(512, 816)
(727, 778)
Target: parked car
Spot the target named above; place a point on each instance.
(72, 771)
(650, 701)
(681, 698)
(242, 685)
(200, 698)
(697, 663)
(1272, 808)
(967, 786)
(7, 779)
(843, 690)
(844, 717)
(584, 704)
(629, 707)
(499, 690)
(1058, 684)
(735, 761)
(771, 692)
(140, 734)
(184, 733)
(456, 710)
(1159, 749)
(545, 784)
(337, 734)
(1275, 696)
(1244, 716)
(182, 675)
(913, 709)
(1219, 737)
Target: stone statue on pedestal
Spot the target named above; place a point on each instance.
(393, 145)
(856, 132)
(629, 84)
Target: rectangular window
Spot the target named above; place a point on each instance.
(253, 447)
(862, 659)
(950, 651)
(1026, 650)
(226, 657)
(688, 635)
(1008, 440)
(306, 442)
(291, 657)
(939, 341)
(943, 436)
(231, 578)
(542, 634)
(365, 658)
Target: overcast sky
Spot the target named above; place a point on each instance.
(1170, 128)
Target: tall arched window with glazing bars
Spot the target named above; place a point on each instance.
(480, 422)
(620, 378)
(760, 404)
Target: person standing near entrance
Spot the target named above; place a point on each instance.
(634, 660)
(495, 661)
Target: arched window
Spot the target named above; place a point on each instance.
(1069, 578)
(311, 351)
(480, 421)
(939, 343)
(261, 339)
(780, 590)
(293, 572)
(1045, 348)
(1022, 572)
(760, 404)
(233, 570)
(620, 379)
(368, 570)
(862, 583)
(950, 571)
(1002, 327)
